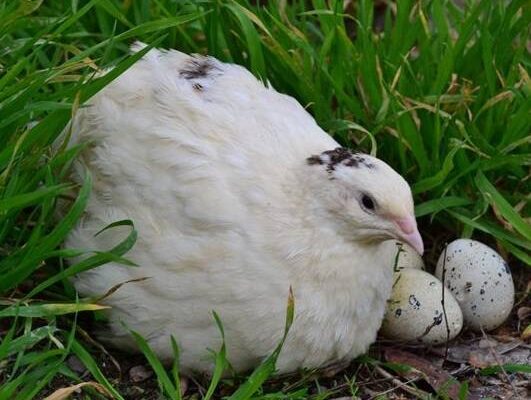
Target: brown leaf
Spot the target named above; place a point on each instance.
(492, 391)
(117, 287)
(461, 352)
(438, 379)
(65, 393)
(490, 352)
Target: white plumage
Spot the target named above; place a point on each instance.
(237, 195)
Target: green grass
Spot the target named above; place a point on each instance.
(439, 92)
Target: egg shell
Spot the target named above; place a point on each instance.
(404, 256)
(415, 313)
(408, 257)
(480, 280)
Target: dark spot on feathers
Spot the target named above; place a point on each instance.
(352, 163)
(339, 156)
(198, 87)
(398, 312)
(482, 291)
(198, 67)
(314, 160)
(437, 320)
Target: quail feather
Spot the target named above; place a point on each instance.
(237, 195)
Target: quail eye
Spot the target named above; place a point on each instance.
(368, 203)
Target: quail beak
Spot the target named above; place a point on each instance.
(409, 233)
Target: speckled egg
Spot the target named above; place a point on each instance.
(403, 255)
(480, 280)
(408, 257)
(415, 313)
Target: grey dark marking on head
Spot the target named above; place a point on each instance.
(314, 160)
(339, 156)
(199, 67)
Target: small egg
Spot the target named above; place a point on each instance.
(415, 312)
(480, 280)
(403, 255)
(408, 257)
